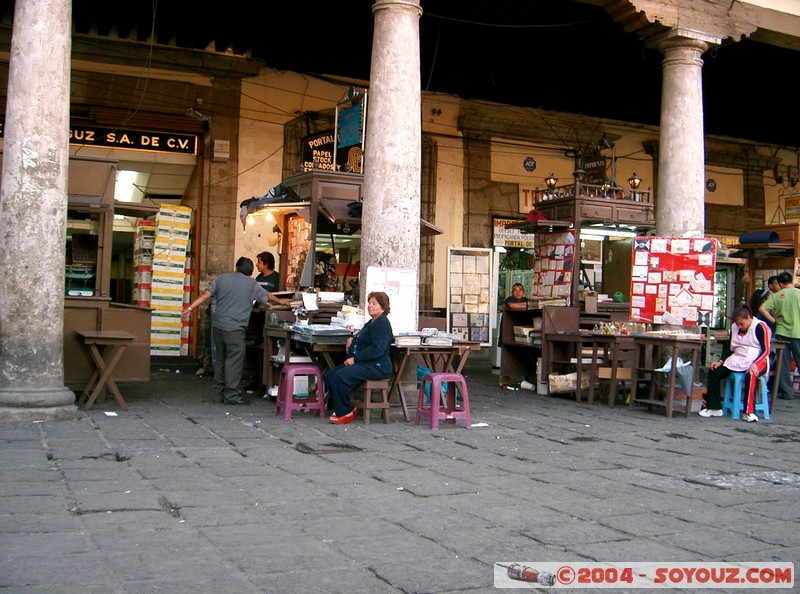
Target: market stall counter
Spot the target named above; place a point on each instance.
(324, 346)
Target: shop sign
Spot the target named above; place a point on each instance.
(185, 144)
(350, 127)
(120, 138)
(318, 153)
(503, 236)
(595, 167)
(529, 164)
(793, 207)
(527, 198)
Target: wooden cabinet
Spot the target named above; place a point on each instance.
(519, 358)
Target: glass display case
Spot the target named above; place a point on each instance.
(727, 275)
(470, 293)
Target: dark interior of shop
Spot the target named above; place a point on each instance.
(567, 56)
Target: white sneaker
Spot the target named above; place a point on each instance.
(707, 412)
(750, 418)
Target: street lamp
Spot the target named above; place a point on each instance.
(634, 181)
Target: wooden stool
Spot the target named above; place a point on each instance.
(366, 403)
(288, 401)
(443, 406)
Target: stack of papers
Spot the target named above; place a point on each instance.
(408, 339)
(440, 339)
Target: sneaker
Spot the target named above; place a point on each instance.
(750, 418)
(707, 412)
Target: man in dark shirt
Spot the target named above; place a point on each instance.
(267, 277)
(516, 300)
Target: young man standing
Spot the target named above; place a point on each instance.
(783, 310)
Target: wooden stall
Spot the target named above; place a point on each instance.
(88, 304)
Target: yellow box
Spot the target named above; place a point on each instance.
(623, 373)
(523, 333)
(567, 382)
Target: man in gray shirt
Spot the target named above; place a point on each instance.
(232, 297)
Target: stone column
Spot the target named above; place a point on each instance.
(681, 161)
(392, 154)
(33, 200)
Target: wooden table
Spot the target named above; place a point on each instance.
(650, 350)
(439, 358)
(113, 344)
(322, 353)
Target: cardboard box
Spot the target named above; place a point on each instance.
(523, 333)
(623, 373)
(567, 382)
(679, 398)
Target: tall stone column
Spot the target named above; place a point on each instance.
(392, 155)
(33, 202)
(681, 159)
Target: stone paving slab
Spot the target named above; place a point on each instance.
(180, 494)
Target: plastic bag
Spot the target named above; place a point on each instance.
(422, 371)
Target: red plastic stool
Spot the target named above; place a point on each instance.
(286, 397)
(443, 406)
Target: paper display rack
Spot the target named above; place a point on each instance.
(470, 290)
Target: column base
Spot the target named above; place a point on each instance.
(33, 404)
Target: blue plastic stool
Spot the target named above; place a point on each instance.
(732, 402)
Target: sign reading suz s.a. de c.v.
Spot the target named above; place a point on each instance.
(165, 142)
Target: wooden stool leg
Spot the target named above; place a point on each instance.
(385, 400)
(367, 401)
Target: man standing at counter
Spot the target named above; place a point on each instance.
(232, 297)
(516, 300)
(267, 277)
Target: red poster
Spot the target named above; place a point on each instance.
(672, 280)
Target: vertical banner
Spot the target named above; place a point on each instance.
(672, 280)
(552, 273)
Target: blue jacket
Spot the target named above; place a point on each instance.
(370, 346)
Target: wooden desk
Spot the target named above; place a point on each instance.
(439, 358)
(651, 351)
(321, 352)
(113, 344)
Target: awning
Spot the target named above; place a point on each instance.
(337, 212)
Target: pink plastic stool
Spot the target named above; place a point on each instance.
(443, 406)
(286, 397)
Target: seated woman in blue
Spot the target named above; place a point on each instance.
(367, 359)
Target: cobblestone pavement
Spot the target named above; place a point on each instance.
(180, 494)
